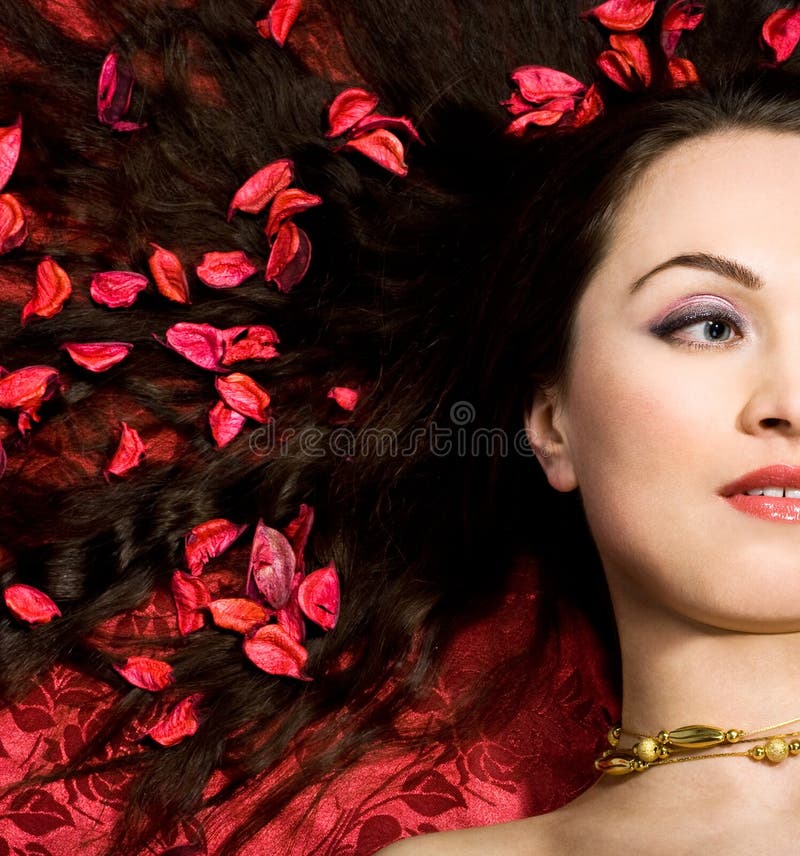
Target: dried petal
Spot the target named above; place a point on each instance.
(391, 123)
(274, 651)
(10, 145)
(169, 275)
(191, 596)
(114, 91)
(297, 531)
(201, 344)
(297, 266)
(208, 540)
(97, 356)
(318, 596)
(682, 72)
(241, 393)
(539, 83)
(116, 288)
(280, 20)
(29, 604)
(256, 342)
(26, 389)
(181, 721)
(348, 108)
(146, 673)
(589, 108)
(291, 617)
(681, 15)
(516, 104)
(260, 189)
(628, 63)
(13, 224)
(622, 15)
(781, 32)
(226, 424)
(238, 613)
(344, 396)
(225, 270)
(51, 291)
(383, 147)
(543, 117)
(272, 565)
(286, 204)
(129, 454)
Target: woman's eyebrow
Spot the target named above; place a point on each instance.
(707, 261)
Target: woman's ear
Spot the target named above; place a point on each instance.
(545, 424)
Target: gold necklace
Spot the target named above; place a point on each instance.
(693, 742)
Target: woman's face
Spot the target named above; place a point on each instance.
(689, 381)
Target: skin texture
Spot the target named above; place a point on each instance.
(649, 429)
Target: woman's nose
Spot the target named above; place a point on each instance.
(774, 403)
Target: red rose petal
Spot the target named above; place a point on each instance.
(781, 32)
(349, 107)
(146, 673)
(114, 91)
(274, 651)
(238, 613)
(318, 596)
(681, 15)
(344, 396)
(540, 83)
(543, 117)
(242, 394)
(280, 20)
(516, 104)
(628, 63)
(117, 288)
(97, 356)
(226, 424)
(191, 596)
(169, 275)
(208, 540)
(291, 617)
(391, 123)
(180, 722)
(297, 266)
(13, 224)
(383, 147)
(201, 344)
(682, 72)
(27, 389)
(10, 145)
(589, 108)
(297, 531)
(260, 189)
(225, 270)
(256, 342)
(51, 291)
(284, 249)
(272, 565)
(29, 604)
(622, 15)
(129, 453)
(286, 204)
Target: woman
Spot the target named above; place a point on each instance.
(405, 271)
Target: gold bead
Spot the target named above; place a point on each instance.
(733, 736)
(647, 749)
(776, 749)
(662, 736)
(757, 753)
(613, 736)
(616, 765)
(695, 737)
(794, 747)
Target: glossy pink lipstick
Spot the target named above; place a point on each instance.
(784, 508)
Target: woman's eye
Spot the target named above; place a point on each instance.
(700, 329)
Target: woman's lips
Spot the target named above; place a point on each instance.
(767, 507)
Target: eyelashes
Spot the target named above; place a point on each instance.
(706, 315)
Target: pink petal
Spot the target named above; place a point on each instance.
(318, 596)
(682, 72)
(13, 224)
(681, 15)
(345, 397)
(272, 565)
(544, 117)
(27, 389)
(181, 721)
(297, 266)
(298, 530)
(238, 613)
(146, 673)
(114, 91)
(781, 32)
(242, 394)
(539, 83)
(10, 145)
(290, 617)
(169, 275)
(286, 204)
(628, 63)
(516, 104)
(208, 540)
(97, 356)
(256, 342)
(622, 15)
(274, 651)
(260, 189)
(391, 123)
(51, 291)
(201, 344)
(129, 454)
(383, 147)
(349, 107)
(116, 288)
(29, 604)
(191, 596)
(280, 20)
(225, 270)
(226, 424)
